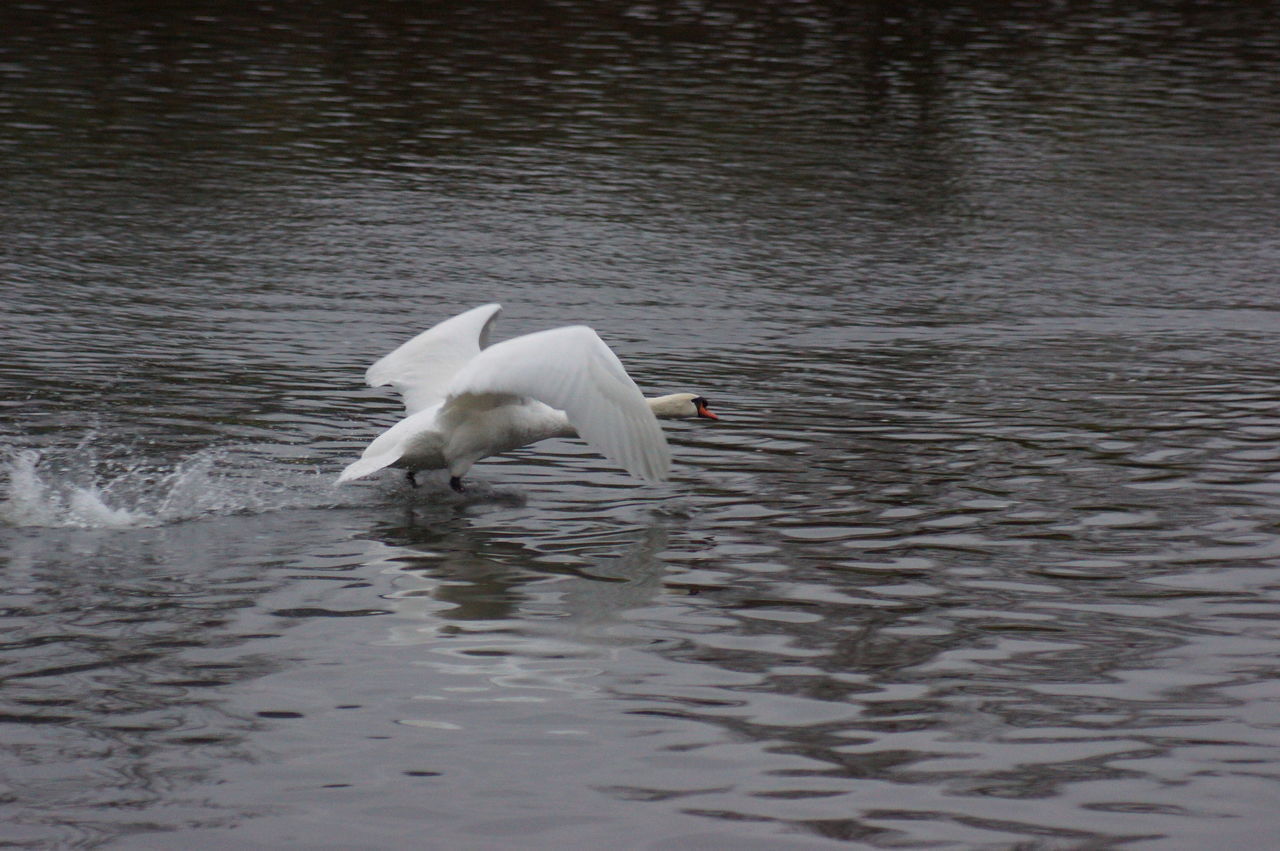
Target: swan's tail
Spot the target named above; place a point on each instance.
(368, 464)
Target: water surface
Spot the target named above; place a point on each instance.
(982, 553)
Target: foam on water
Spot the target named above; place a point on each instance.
(57, 490)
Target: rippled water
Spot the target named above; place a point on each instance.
(983, 552)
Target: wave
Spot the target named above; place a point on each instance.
(77, 490)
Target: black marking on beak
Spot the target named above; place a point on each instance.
(700, 404)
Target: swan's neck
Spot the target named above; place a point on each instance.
(539, 421)
(672, 405)
(544, 421)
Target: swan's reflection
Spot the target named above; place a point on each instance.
(504, 621)
(455, 581)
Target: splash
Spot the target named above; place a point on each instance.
(77, 490)
(32, 501)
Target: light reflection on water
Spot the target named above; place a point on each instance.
(979, 554)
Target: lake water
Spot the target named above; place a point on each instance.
(983, 553)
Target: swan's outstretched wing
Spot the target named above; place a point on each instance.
(422, 368)
(572, 369)
(388, 447)
(367, 464)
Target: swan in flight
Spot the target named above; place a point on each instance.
(466, 400)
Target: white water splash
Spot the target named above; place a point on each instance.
(31, 501)
(41, 492)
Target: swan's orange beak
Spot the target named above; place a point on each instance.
(704, 411)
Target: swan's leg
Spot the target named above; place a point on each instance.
(455, 482)
(413, 482)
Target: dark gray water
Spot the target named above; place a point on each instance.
(984, 553)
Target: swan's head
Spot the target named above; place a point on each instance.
(681, 405)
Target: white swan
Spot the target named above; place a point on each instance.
(467, 400)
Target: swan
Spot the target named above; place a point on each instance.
(466, 400)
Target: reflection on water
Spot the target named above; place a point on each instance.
(979, 555)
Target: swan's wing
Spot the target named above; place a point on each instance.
(572, 369)
(422, 368)
(385, 450)
(369, 464)
(390, 446)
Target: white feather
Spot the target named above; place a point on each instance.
(467, 400)
(572, 370)
(422, 368)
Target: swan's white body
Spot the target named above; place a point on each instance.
(467, 400)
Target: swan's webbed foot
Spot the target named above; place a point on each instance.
(413, 481)
(455, 482)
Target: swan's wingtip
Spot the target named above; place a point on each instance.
(364, 466)
(655, 474)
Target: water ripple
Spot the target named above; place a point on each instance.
(980, 554)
